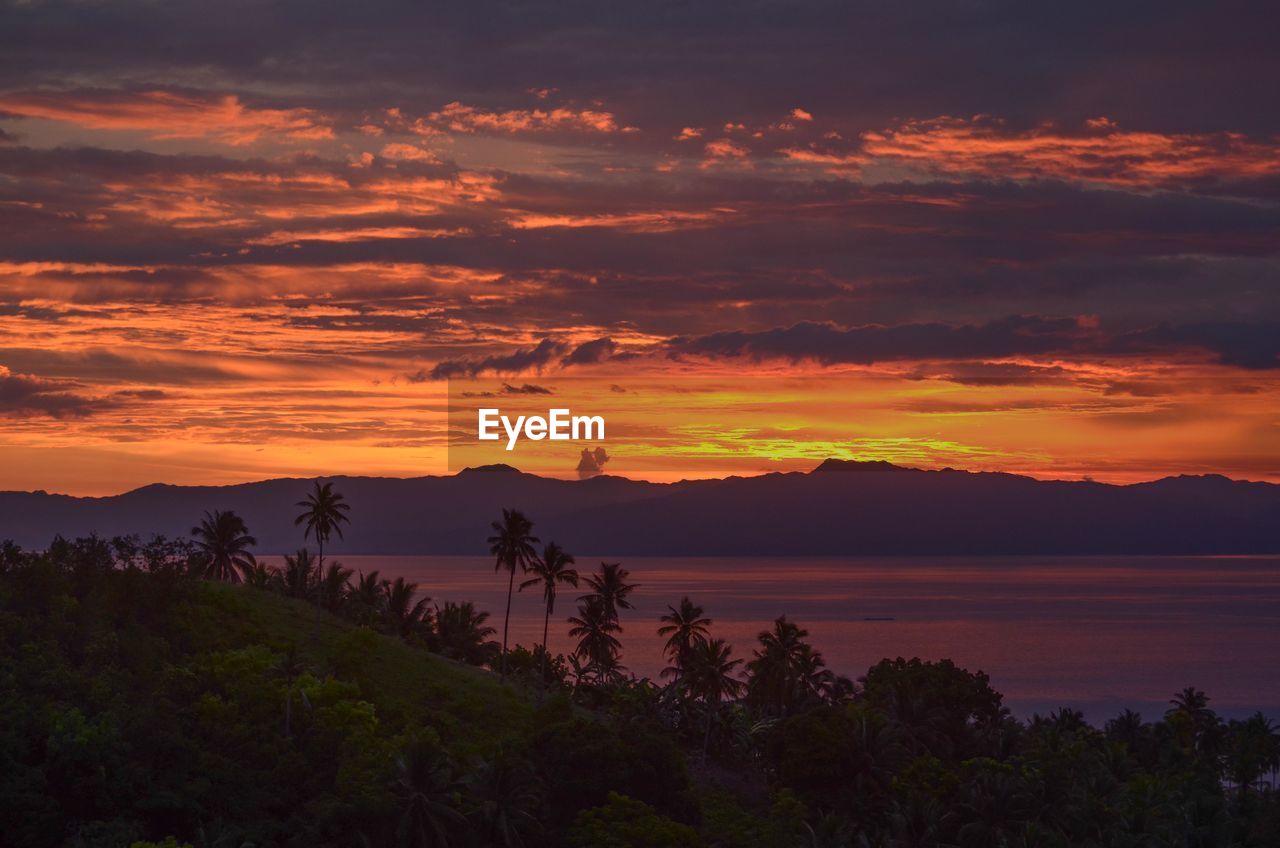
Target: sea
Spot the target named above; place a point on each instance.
(1097, 634)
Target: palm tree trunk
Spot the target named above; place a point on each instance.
(506, 621)
(546, 624)
(315, 628)
(706, 738)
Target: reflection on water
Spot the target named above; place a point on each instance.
(1095, 633)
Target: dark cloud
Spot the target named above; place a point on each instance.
(994, 374)
(592, 462)
(665, 61)
(508, 389)
(1243, 344)
(592, 351)
(535, 357)
(829, 344)
(23, 395)
(1251, 345)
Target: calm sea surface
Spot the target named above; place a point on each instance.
(1094, 633)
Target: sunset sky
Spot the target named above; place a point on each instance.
(259, 241)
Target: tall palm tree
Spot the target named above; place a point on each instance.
(610, 585)
(223, 540)
(424, 778)
(682, 626)
(709, 676)
(323, 513)
(549, 569)
(512, 547)
(594, 629)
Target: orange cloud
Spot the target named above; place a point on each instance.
(641, 222)
(168, 115)
(408, 152)
(724, 149)
(462, 118)
(1102, 152)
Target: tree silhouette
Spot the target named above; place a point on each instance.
(505, 794)
(682, 626)
(610, 586)
(223, 540)
(424, 780)
(404, 615)
(461, 632)
(594, 629)
(785, 668)
(333, 586)
(290, 667)
(709, 676)
(297, 580)
(551, 568)
(512, 548)
(324, 513)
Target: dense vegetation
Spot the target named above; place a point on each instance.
(146, 700)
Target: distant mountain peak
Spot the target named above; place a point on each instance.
(496, 468)
(858, 465)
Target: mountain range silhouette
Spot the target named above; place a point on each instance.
(839, 508)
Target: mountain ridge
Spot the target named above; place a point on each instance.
(838, 508)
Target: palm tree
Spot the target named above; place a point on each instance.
(683, 627)
(462, 634)
(404, 615)
(709, 676)
(260, 576)
(298, 578)
(223, 540)
(506, 797)
(333, 586)
(367, 597)
(549, 569)
(291, 667)
(324, 513)
(424, 777)
(611, 587)
(782, 660)
(594, 630)
(512, 548)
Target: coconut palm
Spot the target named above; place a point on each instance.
(324, 513)
(551, 568)
(512, 547)
(223, 541)
(610, 585)
(298, 578)
(682, 626)
(290, 668)
(333, 586)
(461, 632)
(424, 779)
(594, 629)
(261, 576)
(505, 792)
(709, 676)
(781, 666)
(367, 597)
(404, 615)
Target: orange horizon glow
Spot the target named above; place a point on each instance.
(213, 288)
